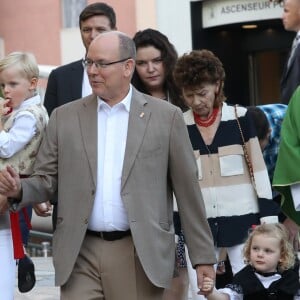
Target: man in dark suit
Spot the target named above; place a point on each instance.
(116, 157)
(70, 82)
(291, 74)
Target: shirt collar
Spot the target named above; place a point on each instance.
(30, 101)
(125, 102)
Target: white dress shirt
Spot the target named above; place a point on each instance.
(86, 87)
(22, 131)
(109, 213)
(294, 47)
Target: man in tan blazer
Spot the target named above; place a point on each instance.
(116, 158)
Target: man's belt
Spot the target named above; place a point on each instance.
(109, 235)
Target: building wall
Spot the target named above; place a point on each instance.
(145, 14)
(33, 26)
(36, 26)
(174, 20)
(126, 14)
(71, 47)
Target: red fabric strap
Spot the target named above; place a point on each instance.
(16, 235)
(16, 231)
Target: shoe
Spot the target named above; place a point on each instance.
(26, 276)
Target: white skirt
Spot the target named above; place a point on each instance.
(7, 266)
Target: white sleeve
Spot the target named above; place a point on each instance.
(295, 191)
(233, 295)
(18, 136)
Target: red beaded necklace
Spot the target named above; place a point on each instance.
(209, 121)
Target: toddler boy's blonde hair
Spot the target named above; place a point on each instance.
(25, 61)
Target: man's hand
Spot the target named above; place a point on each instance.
(43, 209)
(3, 204)
(204, 271)
(10, 183)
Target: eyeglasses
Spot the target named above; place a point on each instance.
(101, 65)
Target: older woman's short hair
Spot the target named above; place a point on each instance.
(199, 67)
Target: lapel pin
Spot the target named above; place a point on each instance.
(142, 114)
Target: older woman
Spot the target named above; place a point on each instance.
(232, 173)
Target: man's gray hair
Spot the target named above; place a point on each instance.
(127, 46)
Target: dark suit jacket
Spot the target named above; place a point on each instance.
(64, 85)
(290, 78)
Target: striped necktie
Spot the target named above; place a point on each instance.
(294, 47)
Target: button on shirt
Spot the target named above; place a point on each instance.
(109, 213)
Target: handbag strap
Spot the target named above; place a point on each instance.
(246, 154)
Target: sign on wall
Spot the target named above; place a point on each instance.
(221, 12)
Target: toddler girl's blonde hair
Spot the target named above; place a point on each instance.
(279, 232)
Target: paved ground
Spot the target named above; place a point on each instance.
(44, 288)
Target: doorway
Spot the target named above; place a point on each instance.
(265, 69)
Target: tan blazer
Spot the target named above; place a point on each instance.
(158, 160)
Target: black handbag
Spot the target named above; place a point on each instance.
(26, 276)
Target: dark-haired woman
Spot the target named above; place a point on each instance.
(155, 61)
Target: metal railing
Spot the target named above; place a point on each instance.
(40, 244)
